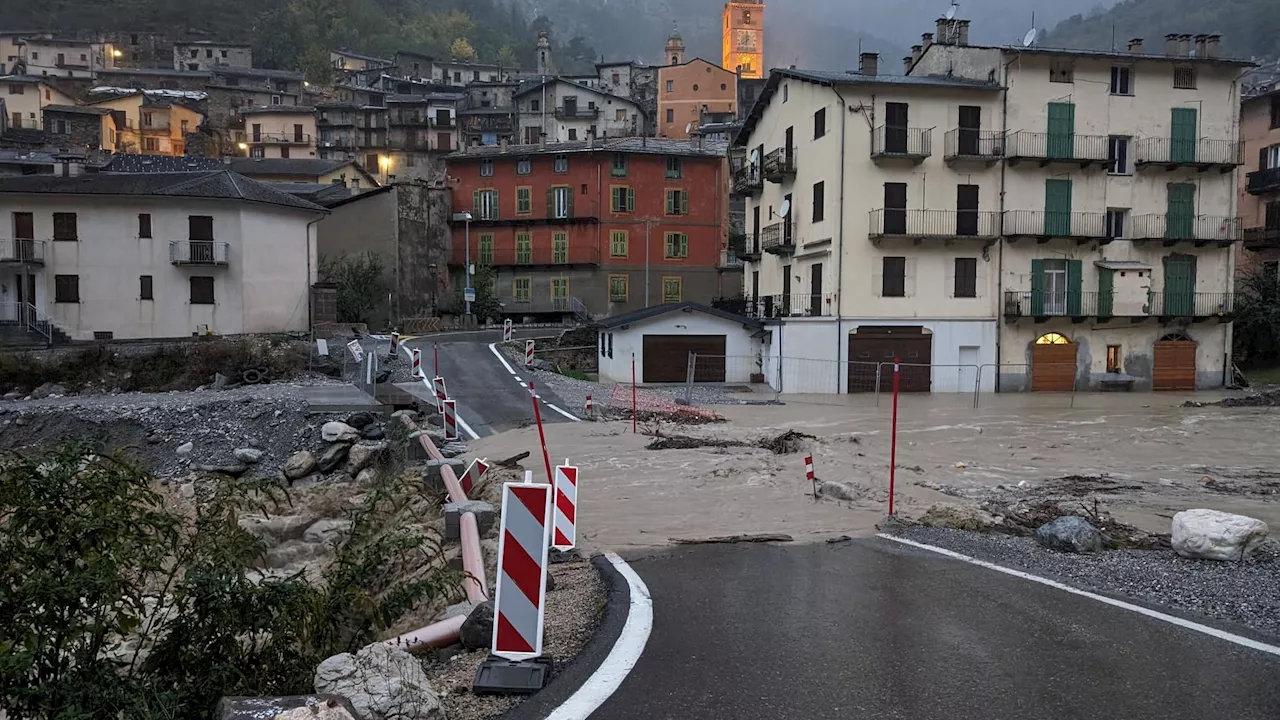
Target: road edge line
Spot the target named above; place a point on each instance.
(569, 415)
(622, 658)
(1155, 614)
(493, 348)
(431, 384)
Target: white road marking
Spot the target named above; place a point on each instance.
(523, 385)
(493, 348)
(622, 658)
(518, 378)
(1188, 624)
(562, 412)
(431, 386)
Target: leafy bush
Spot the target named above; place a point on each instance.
(360, 283)
(1256, 331)
(112, 605)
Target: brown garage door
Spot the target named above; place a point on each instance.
(1053, 367)
(1174, 366)
(666, 358)
(910, 345)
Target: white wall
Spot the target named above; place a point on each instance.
(741, 349)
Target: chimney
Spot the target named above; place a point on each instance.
(1212, 45)
(1184, 45)
(1200, 45)
(943, 32)
(868, 64)
(1135, 45)
(916, 52)
(962, 32)
(907, 62)
(1171, 44)
(926, 39)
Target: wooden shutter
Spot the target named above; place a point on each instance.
(1180, 220)
(1075, 283)
(475, 203)
(1057, 208)
(631, 200)
(1179, 285)
(1037, 288)
(1182, 146)
(1106, 289)
(551, 202)
(684, 202)
(1062, 129)
(1262, 159)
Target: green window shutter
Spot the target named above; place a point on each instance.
(671, 203)
(475, 203)
(551, 202)
(1037, 288)
(1106, 291)
(1182, 145)
(1057, 208)
(1179, 285)
(569, 198)
(1180, 220)
(684, 245)
(1075, 283)
(631, 200)
(1062, 130)
(494, 214)
(684, 202)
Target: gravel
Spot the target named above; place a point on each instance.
(1246, 594)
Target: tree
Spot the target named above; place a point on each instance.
(361, 285)
(487, 306)
(1256, 331)
(460, 49)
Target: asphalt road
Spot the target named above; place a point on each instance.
(490, 398)
(870, 629)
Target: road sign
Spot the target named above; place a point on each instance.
(469, 294)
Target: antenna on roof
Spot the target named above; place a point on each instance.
(1029, 38)
(951, 11)
(785, 210)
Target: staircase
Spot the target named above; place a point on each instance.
(22, 325)
(580, 311)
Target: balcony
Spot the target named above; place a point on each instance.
(336, 120)
(965, 144)
(1262, 238)
(576, 113)
(793, 305)
(1201, 154)
(729, 260)
(902, 143)
(281, 139)
(338, 143)
(376, 122)
(444, 123)
(934, 224)
(199, 252)
(1045, 148)
(747, 181)
(1262, 182)
(1081, 306)
(1199, 229)
(408, 118)
(1047, 225)
(538, 302)
(780, 164)
(537, 256)
(21, 251)
(778, 238)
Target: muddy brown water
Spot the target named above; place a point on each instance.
(1154, 457)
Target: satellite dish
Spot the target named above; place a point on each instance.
(755, 157)
(1029, 38)
(687, 128)
(785, 210)
(951, 12)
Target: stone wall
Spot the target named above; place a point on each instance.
(423, 214)
(86, 130)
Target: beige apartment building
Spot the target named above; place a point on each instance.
(26, 96)
(1260, 187)
(151, 123)
(279, 131)
(1009, 218)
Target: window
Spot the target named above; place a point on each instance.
(202, 290)
(677, 202)
(819, 123)
(560, 202)
(524, 248)
(894, 281)
(619, 166)
(624, 199)
(671, 85)
(1062, 71)
(486, 248)
(819, 201)
(64, 226)
(1116, 220)
(524, 166)
(524, 200)
(671, 115)
(617, 78)
(486, 168)
(16, 89)
(573, 134)
(966, 283)
(284, 152)
(675, 167)
(618, 243)
(475, 76)
(486, 204)
(254, 152)
(617, 291)
(457, 76)
(1269, 158)
(144, 225)
(535, 105)
(559, 292)
(144, 288)
(1121, 80)
(66, 288)
(195, 53)
(560, 248)
(520, 289)
(208, 53)
(562, 163)
(786, 92)
(1275, 111)
(620, 115)
(1118, 155)
(611, 345)
(200, 227)
(1184, 77)
(671, 289)
(150, 144)
(677, 245)
(224, 54)
(1113, 358)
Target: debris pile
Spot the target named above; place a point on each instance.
(1265, 398)
(785, 443)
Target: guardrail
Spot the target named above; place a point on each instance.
(889, 141)
(1056, 146)
(199, 252)
(975, 144)
(1085, 304)
(1042, 223)
(793, 305)
(1196, 228)
(1167, 151)
(22, 250)
(892, 222)
(1263, 181)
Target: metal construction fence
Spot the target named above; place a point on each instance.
(712, 379)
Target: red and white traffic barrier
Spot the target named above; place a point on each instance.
(442, 393)
(506, 330)
(417, 363)
(474, 472)
(450, 419)
(565, 526)
(395, 343)
(590, 408)
(808, 468)
(519, 603)
(528, 353)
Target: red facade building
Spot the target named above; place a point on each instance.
(595, 229)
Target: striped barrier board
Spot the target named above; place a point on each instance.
(519, 601)
(590, 408)
(475, 471)
(808, 468)
(565, 527)
(417, 363)
(442, 393)
(450, 419)
(528, 353)
(395, 343)
(506, 330)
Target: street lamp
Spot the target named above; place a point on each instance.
(466, 261)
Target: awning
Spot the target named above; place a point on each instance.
(1122, 264)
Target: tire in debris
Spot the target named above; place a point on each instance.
(252, 376)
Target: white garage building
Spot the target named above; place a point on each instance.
(661, 337)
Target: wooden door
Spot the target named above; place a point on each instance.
(895, 128)
(785, 301)
(966, 209)
(908, 345)
(666, 358)
(1174, 365)
(1062, 131)
(895, 208)
(1182, 143)
(1181, 216)
(1179, 285)
(815, 290)
(1053, 367)
(1057, 208)
(970, 130)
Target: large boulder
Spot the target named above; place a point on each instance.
(327, 530)
(299, 465)
(957, 517)
(382, 683)
(334, 431)
(477, 629)
(1070, 533)
(361, 419)
(275, 529)
(333, 458)
(362, 455)
(1213, 535)
(248, 455)
(290, 707)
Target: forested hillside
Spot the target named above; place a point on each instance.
(1250, 28)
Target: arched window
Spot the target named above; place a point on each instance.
(1176, 337)
(1052, 339)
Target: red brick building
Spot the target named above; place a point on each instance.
(599, 229)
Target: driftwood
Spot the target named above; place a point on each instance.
(728, 539)
(513, 461)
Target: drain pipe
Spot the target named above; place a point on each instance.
(1004, 167)
(840, 344)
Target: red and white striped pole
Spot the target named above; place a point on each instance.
(506, 330)
(442, 393)
(633, 392)
(520, 597)
(808, 474)
(435, 351)
(450, 419)
(475, 471)
(590, 408)
(395, 343)
(893, 437)
(528, 353)
(564, 533)
(417, 364)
